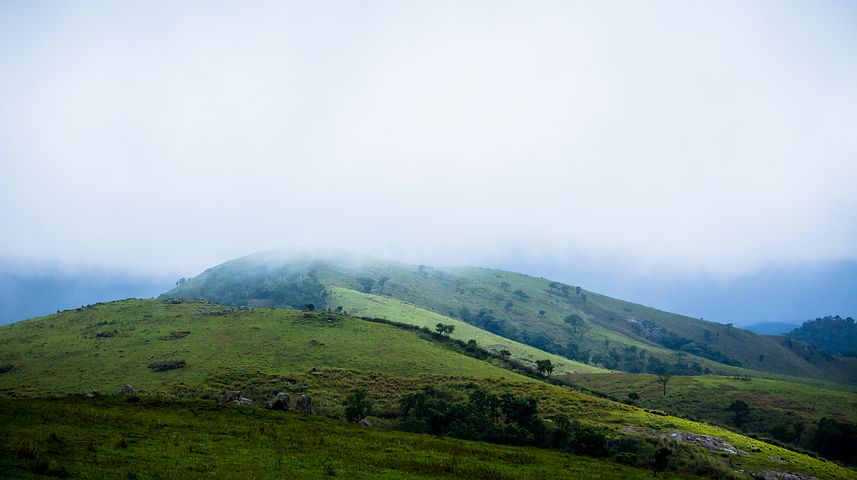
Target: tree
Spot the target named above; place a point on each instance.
(578, 325)
(553, 286)
(508, 306)
(542, 313)
(445, 329)
(577, 290)
(381, 282)
(663, 380)
(505, 285)
(310, 307)
(661, 460)
(339, 309)
(565, 289)
(521, 294)
(633, 397)
(357, 405)
(506, 354)
(741, 411)
(545, 367)
(366, 283)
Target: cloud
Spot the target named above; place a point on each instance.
(688, 136)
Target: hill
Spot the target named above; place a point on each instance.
(174, 352)
(564, 320)
(833, 335)
(771, 328)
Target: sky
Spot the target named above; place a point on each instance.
(694, 147)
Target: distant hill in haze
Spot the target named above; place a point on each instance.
(561, 319)
(833, 334)
(771, 328)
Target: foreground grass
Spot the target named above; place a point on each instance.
(111, 437)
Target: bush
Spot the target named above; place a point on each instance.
(167, 365)
(357, 405)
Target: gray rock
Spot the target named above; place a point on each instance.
(365, 423)
(304, 404)
(280, 402)
(230, 396)
(244, 402)
(127, 389)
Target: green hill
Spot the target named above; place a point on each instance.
(560, 319)
(191, 351)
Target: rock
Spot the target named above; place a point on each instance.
(774, 475)
(281, 402)
(705, 441)
(244, 402)
(365, 423)
(304, 404)
(230, 396)
(127, 389)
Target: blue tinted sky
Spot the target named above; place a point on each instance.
(693, 144)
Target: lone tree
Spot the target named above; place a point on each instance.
(663, 380)
(310, 307)
(357, 405)
(633, 397)
(445, 329)
(661, 460)
(542, 313)
(741, 411)
(545, 367)
(366, 283)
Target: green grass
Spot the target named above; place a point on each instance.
(112, 438)
(618, 331)
(369, 305)
(64, 354)
(262, 351)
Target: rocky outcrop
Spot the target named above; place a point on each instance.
(775, 475)
(280, 402)
(705, 441)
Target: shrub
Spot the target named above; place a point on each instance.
(167, 365)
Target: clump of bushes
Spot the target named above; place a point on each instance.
(167, 365)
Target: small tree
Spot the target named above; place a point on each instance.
(521, 294)
(445, 329)
(741, 411)
(310, 307)
(506, 354)
(542, 313)
(565, 289)
(553, 285)
(505, 285)
(663, 380)
(577, 290)
(661, 460)
(357, 405)
(545, 367)
(633, 397)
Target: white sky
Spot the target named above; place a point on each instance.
(715, 137)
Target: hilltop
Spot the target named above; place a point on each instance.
(564, 320)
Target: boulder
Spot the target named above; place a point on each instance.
(127, 389)
(304, 404)
(244, 402)
(280, 402)
(230, 396)
(365, 422)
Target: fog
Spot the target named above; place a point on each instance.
(687, 139)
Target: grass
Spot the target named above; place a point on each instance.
(114, 438)
(263, 351)
(369, 305)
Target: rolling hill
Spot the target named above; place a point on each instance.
(177, 354)
(564, 320)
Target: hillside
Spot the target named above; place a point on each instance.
(564, 320)
(833, 335)
(324, 355)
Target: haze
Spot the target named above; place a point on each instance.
(675, 142)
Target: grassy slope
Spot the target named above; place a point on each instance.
(61, 353)
(264, 351)
(706, 397)
(369, 305)
(195, 439)
(615, 325)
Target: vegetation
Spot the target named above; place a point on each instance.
(601, 331)
(832, 335)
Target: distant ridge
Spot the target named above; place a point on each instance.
(772, 328)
